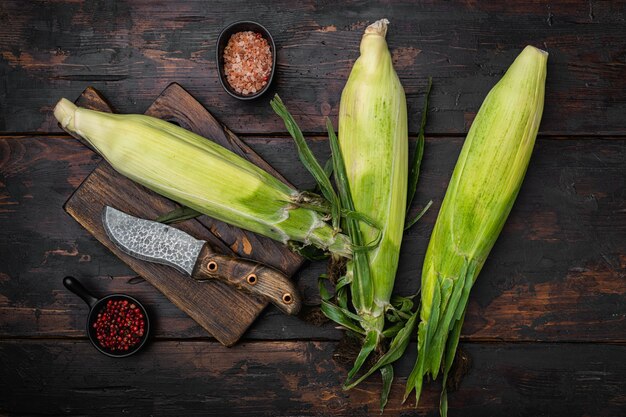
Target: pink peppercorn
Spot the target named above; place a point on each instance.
(119, 326)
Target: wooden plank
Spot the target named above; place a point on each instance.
(556, 273)
(132, 50)
(223, 311)
(301, 378)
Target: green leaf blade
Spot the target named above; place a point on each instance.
(396, 349)
(416, 162)
(362, 286)
(308, 159)
(419, 215)
(178, 215)
(369, 344)
(386, 373)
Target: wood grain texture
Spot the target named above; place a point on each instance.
(131, 50)
(556, 273)
(223, 311)
(301, 379)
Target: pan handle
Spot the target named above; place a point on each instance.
(77, 288)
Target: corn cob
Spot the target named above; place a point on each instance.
(200, 174)
(373, 136)
(483, 188)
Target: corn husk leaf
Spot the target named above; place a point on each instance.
(177, 215)
(484, 185)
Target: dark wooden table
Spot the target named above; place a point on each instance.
(546, 326)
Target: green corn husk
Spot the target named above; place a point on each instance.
(201, 175)
(373, 136)
(483, 188)
(370, 169)
(398, 311)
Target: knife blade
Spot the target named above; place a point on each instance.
(159, 243)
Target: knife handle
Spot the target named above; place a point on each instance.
(250, 276)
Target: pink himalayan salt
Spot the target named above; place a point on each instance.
(247, 62)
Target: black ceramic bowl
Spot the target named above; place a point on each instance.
(96, 306)
(222, 41)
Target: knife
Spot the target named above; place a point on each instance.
(159, 243)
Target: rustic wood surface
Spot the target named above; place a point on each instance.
(223, 311)
(301, 378)
(545, 333)
(133, 49)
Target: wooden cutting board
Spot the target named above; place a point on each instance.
(223, 311)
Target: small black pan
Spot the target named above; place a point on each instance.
(96, 306)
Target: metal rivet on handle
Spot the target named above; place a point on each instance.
(212, 266)
(287, 298)
(252, 279)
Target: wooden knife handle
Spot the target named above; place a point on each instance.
(250, 276)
